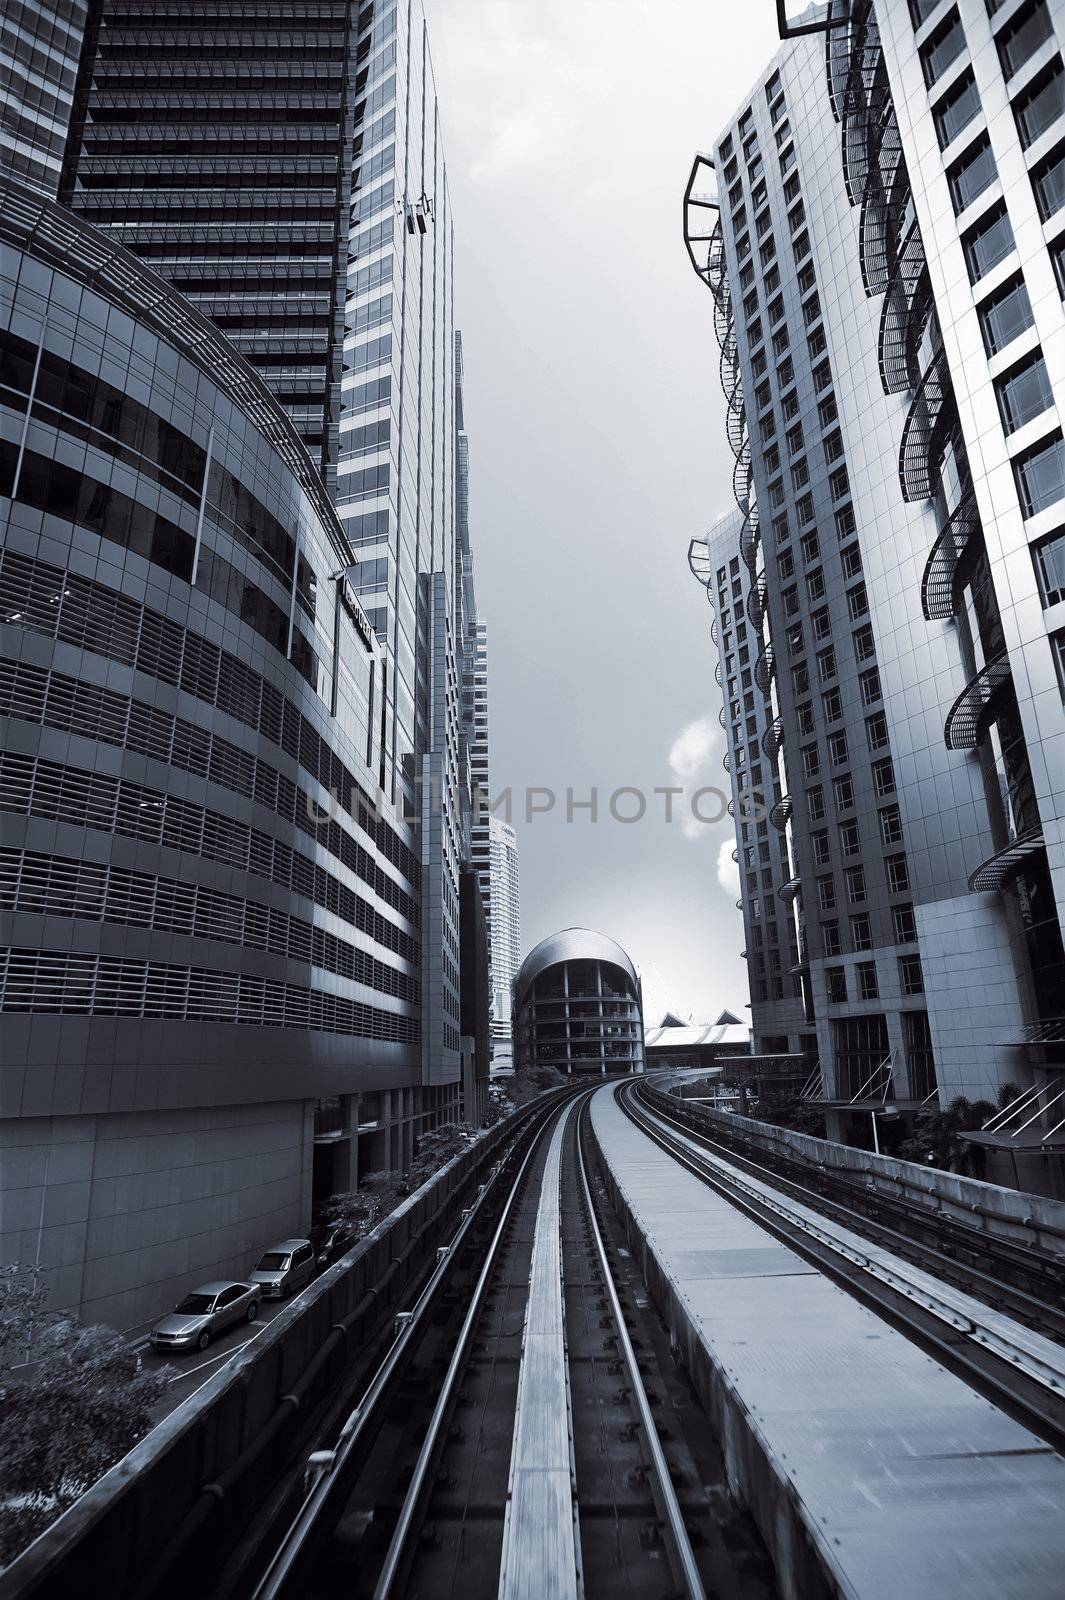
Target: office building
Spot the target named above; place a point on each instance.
(233, 974)
(505, 936)
(578, 1006)
(893, 319)
(779, 1020)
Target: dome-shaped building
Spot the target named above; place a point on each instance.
(578, 1006)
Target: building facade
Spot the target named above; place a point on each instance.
(578, 1006)
(506, 936)
(240, 789)
(924, 835)
(779, 1018)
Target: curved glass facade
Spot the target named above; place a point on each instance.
(208, 924)
(578, 1007)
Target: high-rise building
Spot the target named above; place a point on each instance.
(892, 327)
(779, 1020)
(506, 935)
(234, 461)
(578, 1006)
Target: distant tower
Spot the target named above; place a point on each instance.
(505, 925)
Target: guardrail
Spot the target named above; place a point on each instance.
(201, 1473)
(1012, 1214)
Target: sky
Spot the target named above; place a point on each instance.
(597, 451)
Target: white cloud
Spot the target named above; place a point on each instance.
(693, 766)
(728, 873)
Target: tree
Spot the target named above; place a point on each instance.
(435, 1149)
(527, 1083)
(363, 1208)
(80, 1406)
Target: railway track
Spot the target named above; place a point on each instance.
(523, 1437)
(1021, 1370)
(1019, 1280)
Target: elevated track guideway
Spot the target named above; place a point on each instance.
(527, 1436)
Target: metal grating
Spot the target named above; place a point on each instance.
(773, 738)
(907, 305)
(994, 873)
(939, 582)
(971, 711)
(765, 668)
(929, 417)
(780, 812)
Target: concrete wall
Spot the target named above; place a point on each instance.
(128, 1211)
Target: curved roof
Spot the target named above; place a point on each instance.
(571, 944)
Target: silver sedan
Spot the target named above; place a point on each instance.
(206, 1311)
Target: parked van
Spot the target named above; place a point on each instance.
(284, 1268)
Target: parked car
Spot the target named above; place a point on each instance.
(333, 1242)
(208, 1310)
(284, 1268)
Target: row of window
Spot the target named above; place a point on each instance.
(866, 983)
(55, 982)
(45, 599)
(60, 886)
(59, 793)
(74, 705)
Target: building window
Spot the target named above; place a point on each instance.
(810, 546)
(956, 109)
(861, 932)
(839, 483)
(821, 623)
(826, 664)
(815, 584)
(845, 523)
(898, 875)
(811, 760)
(868, 988)
(876, 734)
(944, 46)
(864, 647)
(869, 683)
(815, 804)
(1057, 647)
(905, 924)
(836, 979)
(884, 777)
(854, 878)
(1049, 558)
(1022, 36)
(837, 744)
(850, 838)
(1041, 104)
(988, 242)
(826, 893)
(1040, 475)
(890, 825)
(972, 173)
(827, 411)
(805, 717)
(920, 1062)
(857, 602)
(822, 853)
(1048, 183)
(832, 704)
(844, 792)
(1024, 392)
(800, 678)
(921, 10)
(831, 943)
(1005, 315)
(911, 978)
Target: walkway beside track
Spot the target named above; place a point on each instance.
(541, 1547)
(872, 1471)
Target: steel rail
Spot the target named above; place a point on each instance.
(681, 1557)
(395, 1557)
(329, 1466)
(860, 1203)
(964, 1347)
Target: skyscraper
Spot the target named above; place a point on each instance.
(266, 988)
(506, 934)
(893, 527)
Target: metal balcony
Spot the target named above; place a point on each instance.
(883, 205)
(907, 306)
(736, 423)
(721, 716)
(726, 761)
(713, 628)
(701, 213)
(742, 474)
(749, 538)
(739, 905)
(735, 855)
(789, 890)
(780, 812)
(973, 709)
(757, 599)
(699, 561)
(773, 738)
(929, 418)
(939, 584)
(765, 668)
(994, 873)
(864, 100)
(717, 673)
